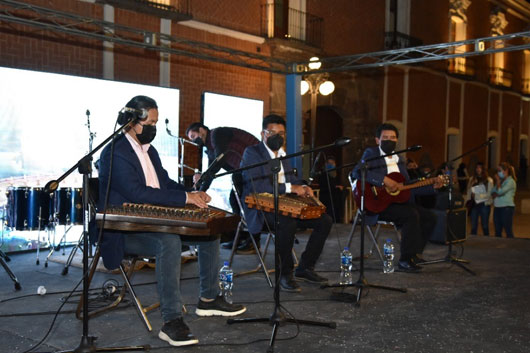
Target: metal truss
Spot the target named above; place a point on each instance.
(72, 24)
(433, 52)
(76, 25)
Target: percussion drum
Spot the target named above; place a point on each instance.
(68, 206)
(17, 208)
(39, 201)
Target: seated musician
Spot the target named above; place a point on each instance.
(232, 142)
(416, 222)
(259, 180)
(138, 177)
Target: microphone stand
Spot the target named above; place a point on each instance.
(84, 166)
(277, 317)
(180, 151)
(449, 257)
(362, 282)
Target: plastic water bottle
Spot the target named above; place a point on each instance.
(226, 275)
(346, 276)
(388, 249)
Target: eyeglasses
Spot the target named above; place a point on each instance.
(271, 133)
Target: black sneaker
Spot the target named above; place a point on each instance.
(219, 307)
(309, 276)
(177, 333)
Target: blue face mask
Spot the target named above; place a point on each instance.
(330, 166)
(501, 174)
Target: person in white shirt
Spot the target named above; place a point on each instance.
(479, 198)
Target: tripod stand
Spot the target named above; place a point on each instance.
(278, 317)
(84, 167)
(3, 261)
(449, 257)
(362, 282)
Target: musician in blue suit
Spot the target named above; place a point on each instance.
(137, 176)
(417, 223)
(259, 180)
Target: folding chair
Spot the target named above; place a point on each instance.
(369, 225)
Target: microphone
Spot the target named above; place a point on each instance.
(167, 128)
(414, 148)
(490, 140)
(342, 141)
(207, 173)
(312, 173)
(140, 114)
(87, 112)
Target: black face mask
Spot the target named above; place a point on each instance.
(148, 134)
(198, 141)
(388, 146)
(275, 142)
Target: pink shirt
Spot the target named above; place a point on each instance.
(151, 179)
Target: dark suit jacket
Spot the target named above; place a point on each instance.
(258, 180)
(128, 185)
(376, 172)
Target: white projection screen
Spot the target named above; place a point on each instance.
(44, 132)
(230, 111)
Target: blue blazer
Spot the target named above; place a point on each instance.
(376, 172)
(128, 185)
(258, 180)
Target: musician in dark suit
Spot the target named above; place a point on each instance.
(231, 142)
(259, 180)
(137, 176)
(416, 222)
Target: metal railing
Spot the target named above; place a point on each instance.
(461, 66)
(525, 85)
(500, 77)
(278, 22)
(398, 40)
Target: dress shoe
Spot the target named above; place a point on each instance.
(309, 276)
(288, 284)
(227, 245)
(247, 247)
(418, 260)
(408, 266)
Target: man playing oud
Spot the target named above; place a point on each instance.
(416, 222)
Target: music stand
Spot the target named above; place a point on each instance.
(449, 257)
(278, 317)
(362, 282)
(84, 166)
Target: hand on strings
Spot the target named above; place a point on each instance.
(302, 190)
(198, 198)
(391, 184)
(196, 177)
(440, 181)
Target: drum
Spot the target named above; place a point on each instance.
(39, 201)
(68, 206)
(17, 208)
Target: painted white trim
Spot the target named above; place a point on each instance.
(108, 47)
(499, 125)
(165, 61)
(222, 31)
(461, 122)
(385, 94)
(404, 115)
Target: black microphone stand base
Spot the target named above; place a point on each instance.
(360, 285)
(452, 260)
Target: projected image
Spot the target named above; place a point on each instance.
(44, 129)
(229, 111)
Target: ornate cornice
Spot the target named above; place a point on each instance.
(458, 8)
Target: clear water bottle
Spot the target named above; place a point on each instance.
(346, 276)
(388, 266)
(226, 275)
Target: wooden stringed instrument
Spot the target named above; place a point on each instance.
(378, 198)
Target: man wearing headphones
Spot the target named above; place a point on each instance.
(137, 176)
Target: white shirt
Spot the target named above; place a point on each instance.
(151, 179)
(281, 174)
(391, 162)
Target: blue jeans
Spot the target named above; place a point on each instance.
(166, 248)
(482, 211)
(503, 218)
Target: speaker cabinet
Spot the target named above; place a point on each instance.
(450, 226)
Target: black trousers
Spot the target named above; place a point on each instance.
(285, 238)
(417, 224)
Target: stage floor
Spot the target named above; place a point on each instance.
(444, 310)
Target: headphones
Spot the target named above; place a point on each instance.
(126, 114)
